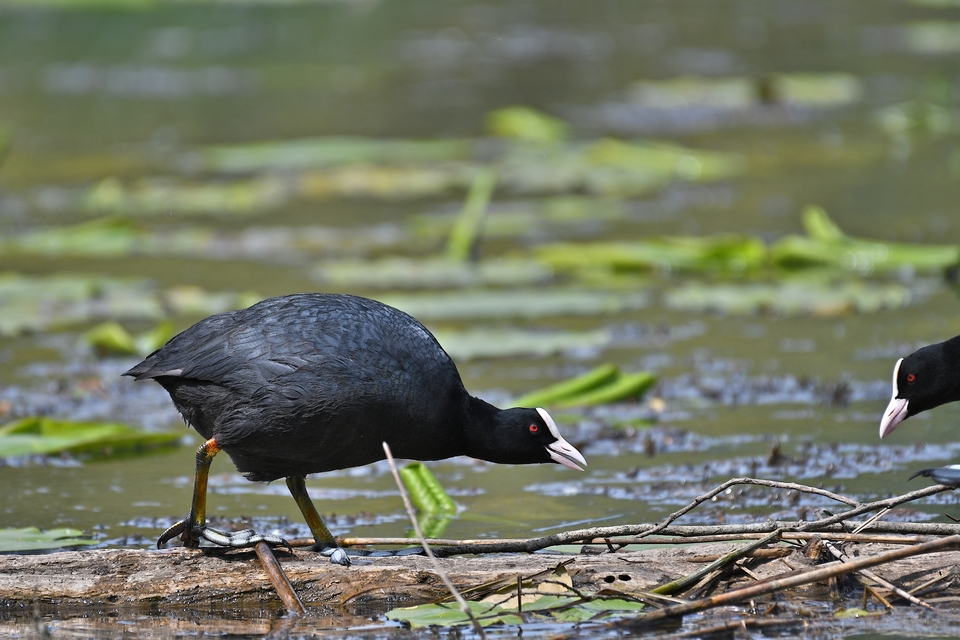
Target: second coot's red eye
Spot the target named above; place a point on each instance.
(911, 377)
(534, 428)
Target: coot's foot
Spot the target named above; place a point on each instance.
(949, 475)
(337, 555)
(341, 556)
(191, 537)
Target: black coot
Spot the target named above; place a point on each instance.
(925, 379)
(314, 382)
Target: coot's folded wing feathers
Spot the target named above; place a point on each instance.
(206, 351)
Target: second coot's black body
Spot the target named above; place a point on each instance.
(309, 383)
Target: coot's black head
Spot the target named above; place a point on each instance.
(923, 380)
(524, 436)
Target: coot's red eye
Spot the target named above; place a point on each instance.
(534, 428)
(911, 378)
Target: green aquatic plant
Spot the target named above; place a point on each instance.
(825, 245)
(721, 253)
(601, 385)
(548, 596)
(465, 234)
(111, 338)
(33, 539)
(49, 436)
(524, 123)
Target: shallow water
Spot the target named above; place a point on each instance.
(92, 93)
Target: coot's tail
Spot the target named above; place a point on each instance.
(949, 475)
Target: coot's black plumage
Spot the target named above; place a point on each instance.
(925, 379)
(308, 383)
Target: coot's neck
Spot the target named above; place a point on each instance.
(949, 370)
(480, 422)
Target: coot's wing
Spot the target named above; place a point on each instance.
(256, 343)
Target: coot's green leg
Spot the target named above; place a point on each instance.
(322, 537)
(194, 527)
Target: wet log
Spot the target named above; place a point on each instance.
(217, 580)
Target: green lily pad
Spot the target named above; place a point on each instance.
(33, 539)
(47, 436)
(450, 615)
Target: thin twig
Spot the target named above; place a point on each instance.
(870, 575)
(763, 483)
(679, 533)
(281, 584)
(875, 506)
(676, 586)
(824, 572)
(871, 520)
(464, 607)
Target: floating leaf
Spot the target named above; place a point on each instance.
(449, 615)
(493, 343)
(693, 91)
(33, 304)
(426, 493)
(731, 253)
(47, 436)
(547, 596)
(816, 89)
(110, 338)
(165, 196)
(522, 303)
(857, 612)
(524, 123)
(384, 182)
(915, 116)
(596, 377)
(410, 273)
(788, 298)
(626, 386)
(33, 539)
(935, 37)
(155, 338)
(826, 245)
(311, 153)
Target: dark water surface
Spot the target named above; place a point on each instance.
(95, 96)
